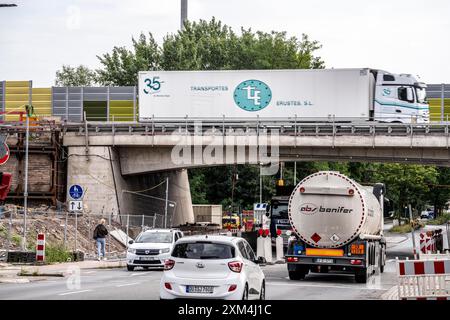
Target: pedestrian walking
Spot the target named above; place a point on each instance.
(100, 232)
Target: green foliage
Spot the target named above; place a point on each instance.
(3, 232)
(56, 253)
(439, 193)
(401, 229)
(443, 219)
(211, 45)
(121, 66)
(406, 184)
(79, 76)
(16, 239)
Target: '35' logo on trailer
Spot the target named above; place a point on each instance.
(152, 85)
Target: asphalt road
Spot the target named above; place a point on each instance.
(119, 284)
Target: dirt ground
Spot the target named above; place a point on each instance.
(52, 223)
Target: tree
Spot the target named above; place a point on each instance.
(406, 184)
(439, 194)
(121, 66)
(213, 46)
(79, 76)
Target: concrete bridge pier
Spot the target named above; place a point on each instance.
(108, 190)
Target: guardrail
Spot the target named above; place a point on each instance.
(285, 126)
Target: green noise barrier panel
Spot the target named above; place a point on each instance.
(96, 110)
(435, 109)
(121, 110)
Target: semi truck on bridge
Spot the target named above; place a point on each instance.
(337, 225)
(309, 95)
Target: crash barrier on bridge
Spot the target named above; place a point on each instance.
(431, 241)
(40, 247)
(423, 279)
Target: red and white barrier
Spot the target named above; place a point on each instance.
(279, 247)
(40, 247)
(423, 280)
(264, 245)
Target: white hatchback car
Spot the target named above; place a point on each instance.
(151, 248)
(213, 267)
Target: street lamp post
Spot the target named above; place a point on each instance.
(25, 191)
(183, 13)
(167, 202)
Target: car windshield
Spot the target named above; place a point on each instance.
(421, 95)
(155, 237)
(203, 250)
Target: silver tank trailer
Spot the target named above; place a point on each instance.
(328, 210)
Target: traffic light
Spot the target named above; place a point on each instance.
(5, 184)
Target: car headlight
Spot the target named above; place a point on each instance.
(166, 250)
(130, 250)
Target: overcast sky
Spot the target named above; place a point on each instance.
(400, 36)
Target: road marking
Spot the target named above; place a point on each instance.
(89, 272)
(138, 274)
(67, 293)
(322, 286)
(127, 284)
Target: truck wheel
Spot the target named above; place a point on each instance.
(361, 276)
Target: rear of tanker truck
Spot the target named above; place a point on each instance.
(337, 227)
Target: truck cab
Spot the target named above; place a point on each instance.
(279, 219)
(399, 98)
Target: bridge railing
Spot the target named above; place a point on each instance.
(260, 125)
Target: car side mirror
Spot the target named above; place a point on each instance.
(261, 260)
(131, 242)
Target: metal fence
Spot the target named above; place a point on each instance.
(72, 232)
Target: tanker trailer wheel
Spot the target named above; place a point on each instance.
(361, 275)
(299, 273)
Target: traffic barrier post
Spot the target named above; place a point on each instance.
(267, 246)
(279, 247)
(40, 247)
(260, 244)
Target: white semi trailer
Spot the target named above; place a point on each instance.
(307, 95)
(338, 225)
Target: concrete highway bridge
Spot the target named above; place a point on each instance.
(119, 162)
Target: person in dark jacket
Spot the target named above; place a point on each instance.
(100, 232)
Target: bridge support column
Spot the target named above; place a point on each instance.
(108, 191)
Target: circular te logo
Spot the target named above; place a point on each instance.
(252, 95)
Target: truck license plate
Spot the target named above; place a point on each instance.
(199, 289)
(324, 260)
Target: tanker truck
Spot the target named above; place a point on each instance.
(337, 225)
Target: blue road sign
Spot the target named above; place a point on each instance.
(76, 191)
